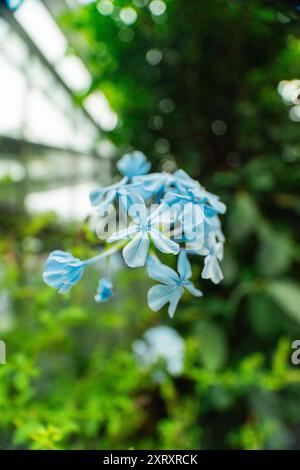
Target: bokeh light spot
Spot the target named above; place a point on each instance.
(157, 7)
(219, 127)
(128, 15)
(162, 146)
(233, 159)
(155, 123)
(153, 57)
(168, 164)
(105, 7)
(166, 105)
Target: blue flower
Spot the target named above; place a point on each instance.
(157, 343)
(172, 284)
(131, 193)
(145, 226)
(197, 212)
(126, 194)
(212, 268)
(210, 203)
(62, 270)
(133, 164)
(104, 291)
(103, 197)
(181, 180)
(159, 183)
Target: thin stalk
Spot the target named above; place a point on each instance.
(106, 252)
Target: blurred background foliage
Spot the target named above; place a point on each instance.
(195, 86)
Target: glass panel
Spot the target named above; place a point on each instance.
(12, 98)
(15, 50)
(41, 27)
(46, 123)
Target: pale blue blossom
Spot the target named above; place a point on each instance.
(160, 342)
(197, 211)
(159, 183)
(211, 203)
(126, 194)
(172, 284)
(104, 291)
(62, 270)
(103, 197)
(146, 226)
(185, 221)
(212, 268)
(133, 164)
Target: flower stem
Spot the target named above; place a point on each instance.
(106, 252)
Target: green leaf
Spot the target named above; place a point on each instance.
(287, 295)
(213, 345)
(275, 254)
(243, 216)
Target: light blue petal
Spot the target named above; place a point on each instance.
(162, 273)
(97, 195)
(133, 164)
(71, 281)
(212, 269)
(197, 248)
(59, 256)
(171, 198)
(184, 266)
(219, 251)
(195, 234)
(192, 220)
(210, 211)
(139, 211)
(52, 278)
(104, 291)
(154, 183)
(62, 270)
(136, 251)
(104, 204)
(122, 234)
(163, 243)
(160, 295)
(174, 301)
(213, 200)
(183, 180)
(131, 194)
(162, 215)
(193, 290)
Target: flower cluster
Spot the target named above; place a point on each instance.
(167, 213)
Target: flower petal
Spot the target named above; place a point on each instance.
(104, 204)
(122, 234)
(174, 301)
(212, 269)
(155, 182)
(134, 164)
(163, 243)
(136, 251)
(162, 273)
(68, 283)
(97, 195)
(163, 215)
(193, 290)
(138, 211)
(104, 291)
(184, 266)
(160, 295)
(62, 270)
